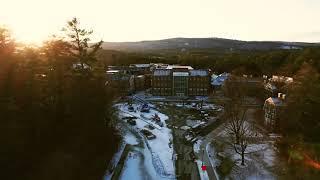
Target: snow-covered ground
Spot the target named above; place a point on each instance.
(205, 106)
(158, 152)
(132, 168)
(197, 145)
(130, 138)
(259, 158)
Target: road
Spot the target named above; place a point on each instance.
(203, 153)
(213, 135)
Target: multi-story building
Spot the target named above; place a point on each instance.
(139, 82)
(180, 81)
(120, 81)
(199, 83)
(272, 108)
(140, 69)
(161, 82)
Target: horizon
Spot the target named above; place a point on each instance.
(316, 42)
(142, 20)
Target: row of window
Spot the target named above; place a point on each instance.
(161, 84)
(198, 89)
(159, 78)
(162, 91)
(198, 85)
(198, 93)
(180, 78)
(168, 91)
(199, 79)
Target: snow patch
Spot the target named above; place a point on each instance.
(197, 145)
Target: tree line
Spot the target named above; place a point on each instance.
(255, 62)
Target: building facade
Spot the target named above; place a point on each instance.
(161, 82)
(120, 81)
(272, 108)
(180, 81)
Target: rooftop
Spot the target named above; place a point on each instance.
(180, 74)
(140, 65)
(219, 80)
(179, 67)
(112, 71)
(161, 72)
(198, 73)
(282, 79)
(275, 101)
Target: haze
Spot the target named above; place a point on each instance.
(135, 20)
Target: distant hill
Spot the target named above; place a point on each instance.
(203, 43)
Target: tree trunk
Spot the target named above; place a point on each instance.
(237, 138)
(242, 158)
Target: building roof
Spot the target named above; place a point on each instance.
(140, 65)
(112, 71)
(214, 76)
(180, 74)
(198, 73)
(282, 79)
(219, 80)
(179, 67)
(161, 72)
(275, 101)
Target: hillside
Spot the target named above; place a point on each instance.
(203, 43)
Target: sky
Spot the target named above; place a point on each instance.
(33, 21)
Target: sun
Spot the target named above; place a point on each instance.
(30, 33)
(30, 39)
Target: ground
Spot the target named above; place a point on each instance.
(147, 159)
(260, 157)
(177, 154)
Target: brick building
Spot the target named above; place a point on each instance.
(180, 81)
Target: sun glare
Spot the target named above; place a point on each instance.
(29, 38)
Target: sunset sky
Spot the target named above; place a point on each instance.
(134, 20)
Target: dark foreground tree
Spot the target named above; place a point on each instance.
(300, 117)
(79, 39)
(54, 120)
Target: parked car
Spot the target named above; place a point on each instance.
(132, 122)
(149, 126)
(148, 134)
(130, 108)
(145, 108)
(129, 117)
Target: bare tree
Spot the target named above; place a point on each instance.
(244, 139)
(239, 130)
(235, 115)
(235, 110)
(235, 89)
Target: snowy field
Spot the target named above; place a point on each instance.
(260, 157)
(156, 158)
(131, 169)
